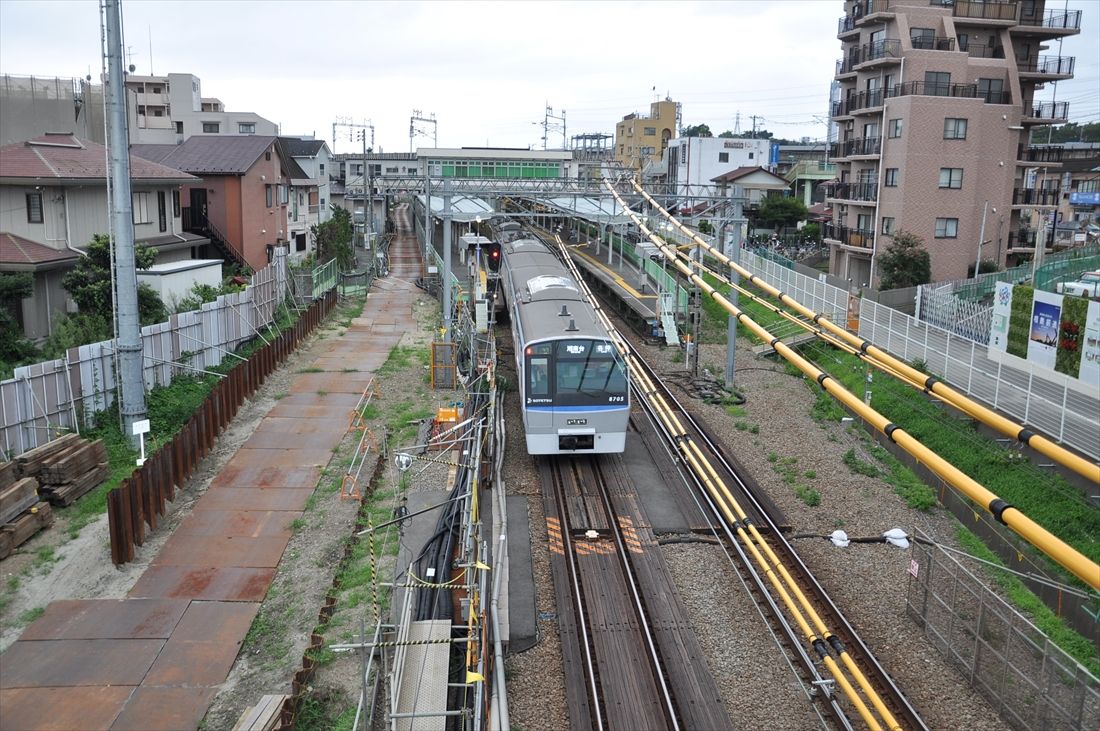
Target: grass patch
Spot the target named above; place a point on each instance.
(1080, 648)
(858, 465)
(31, 614)
(825, 407)
(787, 470)
(297, 525)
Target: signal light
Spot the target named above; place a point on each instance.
(494, 256)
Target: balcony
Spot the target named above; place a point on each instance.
(864, 191)
(859, 102)
(1047, 153)
(920, 88)
(1001, 13)
(1046, 113)
(855, 237)
(1047, 67)
(853, 148)
(983, 50)
(933, 43)
(886, 49)
(1034, 197)
(1022, 239)
(845, 25)
(866, 8)
(1053, 23)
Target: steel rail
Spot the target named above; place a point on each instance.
(819, 638)
(1068, 557)
(1002, 424)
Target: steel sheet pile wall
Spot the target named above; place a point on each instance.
(140, 500)
(1030, 681)
(41, 399)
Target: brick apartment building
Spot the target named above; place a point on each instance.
(935, 109)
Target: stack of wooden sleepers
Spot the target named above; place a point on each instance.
(66, 468)
(21, 515)
(264, 716)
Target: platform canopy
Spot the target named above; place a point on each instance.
(595, 210)
(464, 208)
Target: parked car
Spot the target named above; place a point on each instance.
(1087, 286)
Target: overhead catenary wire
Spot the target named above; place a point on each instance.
(1067, 556)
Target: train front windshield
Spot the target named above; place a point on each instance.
(576, 373)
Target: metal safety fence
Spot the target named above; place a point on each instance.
(1031, 682)
(45, 399)
(140, 500)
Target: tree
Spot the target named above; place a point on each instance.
(89, 283)
(333, 239)
(778, 211)
(905, 262)
(811, 232)
(14, 347)
(1071, 132)
(696, 130)
(727, 134)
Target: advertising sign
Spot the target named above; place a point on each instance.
(1002, 309)
(1090, 347)
(1046, 315)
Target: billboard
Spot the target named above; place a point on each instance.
(1046, 314)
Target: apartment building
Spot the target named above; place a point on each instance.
(641, 140)
(169, 109)
(935, 109)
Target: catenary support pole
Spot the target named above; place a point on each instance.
(130, 378)
(446, 261)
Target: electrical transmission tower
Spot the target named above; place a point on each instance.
(417, 116)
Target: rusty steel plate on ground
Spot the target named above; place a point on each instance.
(181, 550)
(226, 583)
(107, 619)
(254, 498)
(48, 663)
(193, 663)
(90, 708)
(242, 475)
(158, 708)
(221, 622)
(281, 458)
(324, 383)
(298, 426)
(321, 439)
(252, 523)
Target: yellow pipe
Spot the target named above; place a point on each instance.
(1070, 559)
(1009, 428)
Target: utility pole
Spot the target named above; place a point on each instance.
(733, 251)
(754, 118)
(446, 261)
(368, 190)
(547, 126)
(981, 240)
(131, 380)
(418, 116)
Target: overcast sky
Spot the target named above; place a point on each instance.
(486, 70)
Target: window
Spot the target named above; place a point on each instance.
(891, 180)
(246, 128)
(951, 177)
(894, 128)
(752, 155)
(34, 208)
(864, 223)
(162, 210)
(922, 37)
(871, 131)
(937, 83)
(322, 204)
(179, 128)
(954, 128)
(141, 208)
(723, 157)
(267, 195)
(284, 195)
(947, 228)
(992, 90)
(175, 203)
(321, 168)
(888, 225)
(211, 128)
(650, 131)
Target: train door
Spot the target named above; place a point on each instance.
(537, 395)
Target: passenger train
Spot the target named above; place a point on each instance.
(572, 380)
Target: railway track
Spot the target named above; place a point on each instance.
(630, 656)
(815, 635)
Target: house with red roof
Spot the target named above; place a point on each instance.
(53, 200)
(244, 200)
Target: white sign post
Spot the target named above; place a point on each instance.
(141, 428)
